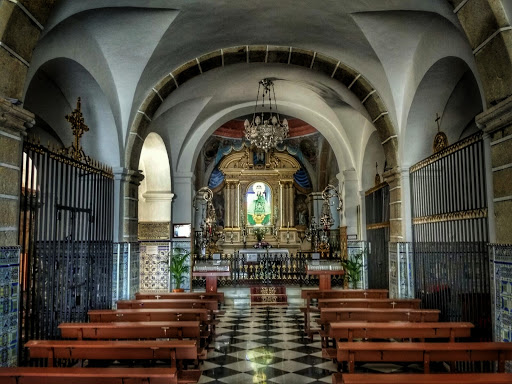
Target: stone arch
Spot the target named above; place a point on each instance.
(331, 67)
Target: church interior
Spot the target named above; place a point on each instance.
(257, 192)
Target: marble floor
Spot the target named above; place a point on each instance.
(264, 345)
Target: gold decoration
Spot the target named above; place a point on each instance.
(378, 179)
(375, 189)
(154, 231)
(448, 151)
(377, 225)
(461, 215)
(440, 140)
(76, 119)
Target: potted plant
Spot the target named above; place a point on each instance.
(178, 268)
(353, 267)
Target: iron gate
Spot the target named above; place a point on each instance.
(66, 221)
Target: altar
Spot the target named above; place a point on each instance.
(256, 255)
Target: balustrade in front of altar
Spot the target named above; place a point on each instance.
(273, 266)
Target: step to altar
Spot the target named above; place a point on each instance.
(269, 295)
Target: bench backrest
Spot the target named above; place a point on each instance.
(309, 294)
(132, 330)
(369, 303)
(404, 330)
(52, 375)
(329, 315)
(168, 303)
(423, 378)
(113, 349)
(219, 296)
(149, 314)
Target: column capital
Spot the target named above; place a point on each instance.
(496, 117)
(15, 118)
(128, 175)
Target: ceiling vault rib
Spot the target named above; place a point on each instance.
(354, 81)
(488, 40)
(389, 138)
(16, 56)
(199, 65)
(144, 114)
(175, 81)
(368, 96)
(459, 7)
(158, 94)
(312, 60)
(335, 69)
(381, 115)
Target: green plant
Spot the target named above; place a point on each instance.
(353, 267)
(178, 266)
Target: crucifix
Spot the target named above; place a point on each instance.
(76, 119)
(437, 121)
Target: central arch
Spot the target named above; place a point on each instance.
(290, 56)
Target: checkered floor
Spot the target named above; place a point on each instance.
(265, 345)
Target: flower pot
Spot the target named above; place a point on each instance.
(178, 290)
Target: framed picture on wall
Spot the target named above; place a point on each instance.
(181, 230)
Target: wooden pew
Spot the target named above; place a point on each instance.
(150, 314)
(331, 315)
(132, 330)
(422, 378)
(399, 330)
(219, 296)
(212, 305)
(369, 303)
(317, 294)
(353, 352)
(392, 330)
(51, 375)
(174, 350)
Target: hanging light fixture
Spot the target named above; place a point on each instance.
(266, 130)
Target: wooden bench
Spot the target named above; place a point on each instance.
(174, 350)
(331, 315)
(392, 330)
(150, 314)
(369, 303)
(421, 378)
(218, 296)
(212, 305)
(317, 294)
(52, 375)
(353, 352)
(132, 330)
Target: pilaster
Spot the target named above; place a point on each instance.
(126, 189)
(496, 122)
(396, 229)
(13, 123)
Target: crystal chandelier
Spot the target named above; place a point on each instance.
(266, 131)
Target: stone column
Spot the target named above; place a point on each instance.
(13, 122)
(362, 229)
(406, 204)
(227, 204)
(126, 204)
(396, 230)
(348, 179)
(183, 185)
(497, 124)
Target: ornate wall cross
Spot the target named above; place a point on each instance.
(76, 119)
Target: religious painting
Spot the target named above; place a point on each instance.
(259, 204)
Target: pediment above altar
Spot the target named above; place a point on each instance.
(247, 161)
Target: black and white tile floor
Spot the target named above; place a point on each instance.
(265, 345)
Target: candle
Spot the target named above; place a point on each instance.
(288, 225)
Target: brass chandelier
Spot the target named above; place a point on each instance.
(266, 130)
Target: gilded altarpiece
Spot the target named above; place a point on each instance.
(259, 193)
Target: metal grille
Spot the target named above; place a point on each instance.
(454, 278)
(448, 192)
(66, 221)
(377, 232)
